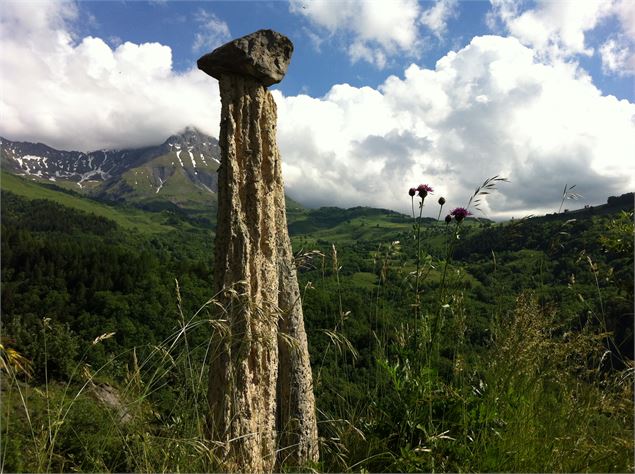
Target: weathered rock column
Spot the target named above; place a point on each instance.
(260, 391)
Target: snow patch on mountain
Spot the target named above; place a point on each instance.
(103, 170)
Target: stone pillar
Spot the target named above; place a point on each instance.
(260, 386)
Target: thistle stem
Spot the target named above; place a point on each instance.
(418, 272)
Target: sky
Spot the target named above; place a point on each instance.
(380, 95)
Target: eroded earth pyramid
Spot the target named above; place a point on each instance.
(260, 393)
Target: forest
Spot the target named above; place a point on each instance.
(461, 346)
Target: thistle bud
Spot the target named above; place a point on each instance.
(441, 201)
(448, 219)
(460, 213)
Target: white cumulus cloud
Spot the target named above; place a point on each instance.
(617, 57)
(559, 29)
(212, 32)
(625, 11)
(553, 27)
(618, 52)
(378, 28)
(437, 16)
(83, 94)
(488, 109)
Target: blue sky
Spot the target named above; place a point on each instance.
(314, 69)
(380, 94)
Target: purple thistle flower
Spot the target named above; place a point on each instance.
(412, 191)
(460, 213)
(424, 189)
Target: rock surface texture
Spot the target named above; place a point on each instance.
(260, 391)
(263, 55)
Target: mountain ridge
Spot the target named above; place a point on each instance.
(181, 170)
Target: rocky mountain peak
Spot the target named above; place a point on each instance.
(189, 158)
(190, 136)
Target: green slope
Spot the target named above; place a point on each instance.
(168, 178)
(128, 218)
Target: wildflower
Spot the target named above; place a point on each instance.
(424, 189)
(448, 219)
(441, 201)
(412, 191)
(460, 213)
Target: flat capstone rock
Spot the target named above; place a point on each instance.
(263, 55)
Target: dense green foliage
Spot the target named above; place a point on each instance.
(90, 278)
(517, 357)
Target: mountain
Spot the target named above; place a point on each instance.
(180, 172)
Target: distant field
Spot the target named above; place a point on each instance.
(361, 228)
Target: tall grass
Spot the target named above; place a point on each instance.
(151, 421)
(547, 404)
(539, 398)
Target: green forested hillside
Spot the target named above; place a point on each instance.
(495, 347)
(128, 218)
(91, 276)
